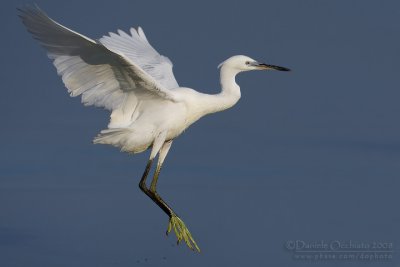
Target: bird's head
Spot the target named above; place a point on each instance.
(244, 63)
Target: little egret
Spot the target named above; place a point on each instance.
(126, 75)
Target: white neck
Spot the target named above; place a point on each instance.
(203, 104)
(229, 94)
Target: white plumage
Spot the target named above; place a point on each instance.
(126, 75)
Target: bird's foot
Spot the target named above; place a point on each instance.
(182, 232)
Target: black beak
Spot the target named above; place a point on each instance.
(271, 67)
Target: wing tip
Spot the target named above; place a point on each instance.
(30, 10)
(31, 15)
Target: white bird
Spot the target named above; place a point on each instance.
(126, 75)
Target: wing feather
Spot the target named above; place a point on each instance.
(136, 48)
(102, 75)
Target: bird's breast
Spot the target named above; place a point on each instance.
(185, 113)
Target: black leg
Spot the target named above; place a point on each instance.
(153, 194)
(180, 229)
(142, 183)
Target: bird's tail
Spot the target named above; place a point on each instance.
(121, 137)
(113, 136)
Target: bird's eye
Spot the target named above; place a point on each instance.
(247, 62)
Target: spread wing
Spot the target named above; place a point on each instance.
(104, 73)
(137, 49)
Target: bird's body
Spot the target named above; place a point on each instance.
(126, 75)
(135, 130)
